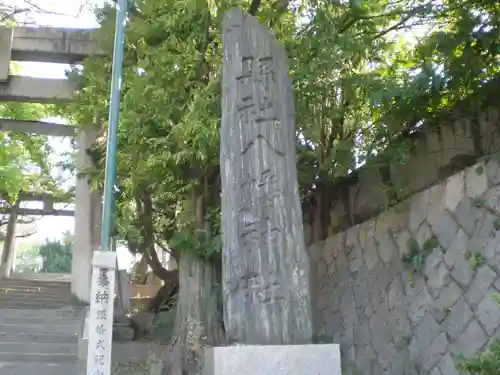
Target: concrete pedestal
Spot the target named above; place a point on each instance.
(321, 359)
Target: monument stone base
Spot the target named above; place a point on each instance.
(321, 359)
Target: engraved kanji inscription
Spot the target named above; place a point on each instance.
(100, 345)
(102, 297)
(100, 330)
(103, 279)
(256, 87)
(99, 359)
(102, 314)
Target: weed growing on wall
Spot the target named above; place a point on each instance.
(496, 224)
(486, 362)
(479, 201)
(475, 258)
(414, 260)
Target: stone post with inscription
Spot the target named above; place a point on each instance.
(267, 303)
(101, 313)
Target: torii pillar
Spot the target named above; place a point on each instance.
(88, 208)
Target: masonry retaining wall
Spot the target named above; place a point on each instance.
(390, 323)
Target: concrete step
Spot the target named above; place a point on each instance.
(13, 305)
(32, 289)
(38, 296)
(63, 313)
(44, 276)
(22, 280)
(32, 298)
(29, 291)
(34, 284)
(36, 329)
(56, 292)
(7, 368)
(37, 320)
(38, 348)
(23, 297)
(38, 337)
(40, 358)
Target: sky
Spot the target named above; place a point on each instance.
(57, 13)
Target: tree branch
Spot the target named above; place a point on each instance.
(24, 235)
(254, 6)
(282, 8)
(164, 248)
(147, 244)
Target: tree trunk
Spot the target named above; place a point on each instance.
(168, 290)
(321, 203)
(9, 243)
(198, 321)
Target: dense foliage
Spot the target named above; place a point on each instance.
(24, 164)
(56, 255)
(53, 256)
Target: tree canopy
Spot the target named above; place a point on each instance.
(363, 72)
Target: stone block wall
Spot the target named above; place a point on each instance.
(390, 323)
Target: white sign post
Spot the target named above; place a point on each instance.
(101, 313)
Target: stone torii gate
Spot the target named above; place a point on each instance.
(68, 46)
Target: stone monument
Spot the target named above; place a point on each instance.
(267, 303)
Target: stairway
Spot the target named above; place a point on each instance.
(39, 328)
